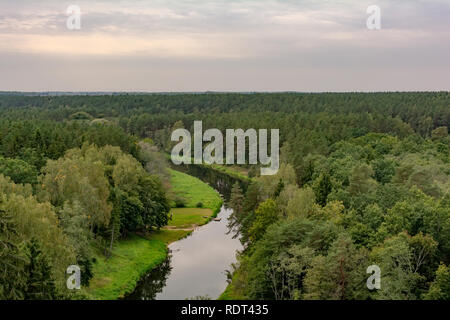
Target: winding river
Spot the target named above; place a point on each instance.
(196, 265)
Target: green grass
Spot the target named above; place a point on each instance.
(237, 172)
(227, 294)
(131, 259)
(194, 191)
(168, 236)
(186, 217)
(231, 293)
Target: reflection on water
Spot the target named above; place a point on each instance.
(152, 283)
(196, 267)
(220, 181)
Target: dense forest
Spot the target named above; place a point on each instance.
(364, 180)
(67, 189)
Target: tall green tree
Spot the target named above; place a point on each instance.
(340, 275)
(265, 215)
(12, 261)
(440, 288)
(236, 203)
(40, 282)
(322, 189)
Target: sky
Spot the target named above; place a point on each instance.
(225, 45)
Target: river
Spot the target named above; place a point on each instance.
(196, 265)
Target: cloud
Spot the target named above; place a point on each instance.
(250, 34)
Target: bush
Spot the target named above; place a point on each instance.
(180, 202)
(199, 205)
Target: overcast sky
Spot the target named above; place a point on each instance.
(226, 45)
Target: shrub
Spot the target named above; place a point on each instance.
(180, 202)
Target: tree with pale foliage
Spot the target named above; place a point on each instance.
(265, 215)
(76, 179)
(440, 287)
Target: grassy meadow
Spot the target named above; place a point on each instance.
(183, 218)
(194, 191)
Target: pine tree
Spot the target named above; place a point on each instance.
(252, 197)
(40, 283)
(340, 275)
(279, 189)
(12, 277)
(323, 189)
(237, 204)
(236, 198)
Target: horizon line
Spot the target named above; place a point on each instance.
(107, 92)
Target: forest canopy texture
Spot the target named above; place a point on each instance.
(364, 180)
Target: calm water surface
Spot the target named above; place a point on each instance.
(196, 265)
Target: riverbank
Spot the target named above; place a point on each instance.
(135, 256)
(131, 259)
(231, 291)
(235, 171)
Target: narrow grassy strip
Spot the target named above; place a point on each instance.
(131, 259)
(237, 172)
(188, 217)
(228, 293)
(195, 191)
(231, 292)
(168, 236)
